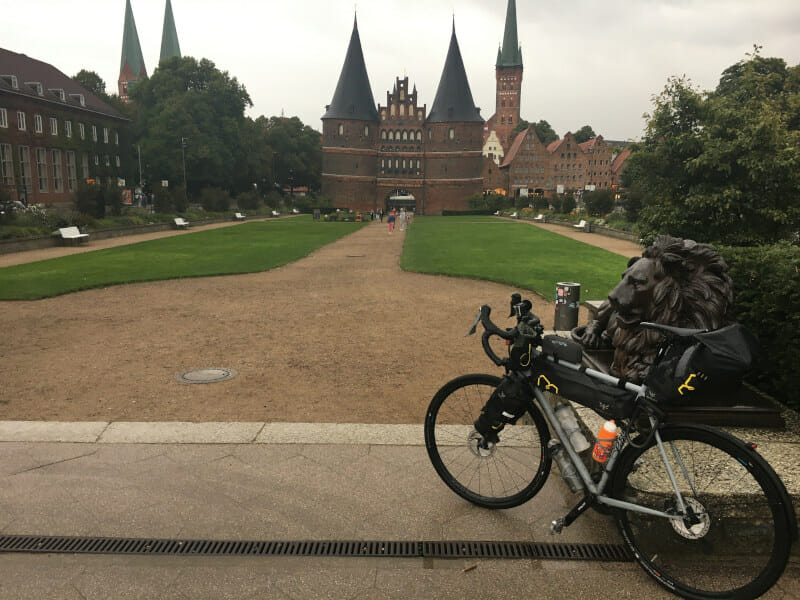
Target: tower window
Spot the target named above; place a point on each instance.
(341, 129)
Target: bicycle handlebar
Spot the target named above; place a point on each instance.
(490, 330)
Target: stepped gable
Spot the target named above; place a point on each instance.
(510, 55)
(353, 97)
(169, 35)
(512, 152)
(453, 102)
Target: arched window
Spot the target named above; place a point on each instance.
(405, 135)
(366, 130)
(452, 133)
(341, 129)
(383, 134)
(419, 135)
(391, 135)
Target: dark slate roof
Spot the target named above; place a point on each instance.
(353, 97)
(169, 35)
(131, 49)
(511, 53)
(453, 102)
(27, 69)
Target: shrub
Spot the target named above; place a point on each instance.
(598, 203)
(90, 199)
(215, 200)
(767, 301)
(248, 200)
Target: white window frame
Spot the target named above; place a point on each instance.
(105, 135)
(21, 125)
(58, 174)
(38, 124)
(41, 170)
(4, 118)
(94, 133)
(25, 173)
(6, 164)
(72, 171)
(116, 138)
(53, 126)
(68, 128)
(82, 130)
(117, 161)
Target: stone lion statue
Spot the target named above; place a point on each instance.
(675, 282)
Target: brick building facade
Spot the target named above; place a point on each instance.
(54, 133)
(400, 154)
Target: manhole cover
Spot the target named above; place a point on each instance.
(211, 375)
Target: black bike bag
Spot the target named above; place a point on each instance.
(562, 348)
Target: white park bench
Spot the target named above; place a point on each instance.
(540, 218)
(514, 215)
(582, 225)
(71, 235)
(239, 216)
(295, 211)
(181, 223)
(275, 213)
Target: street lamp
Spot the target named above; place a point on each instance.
(184, 140)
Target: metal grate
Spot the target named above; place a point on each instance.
(412, 549)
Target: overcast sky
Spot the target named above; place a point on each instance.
(586, 61)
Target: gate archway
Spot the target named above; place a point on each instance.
(400, 198)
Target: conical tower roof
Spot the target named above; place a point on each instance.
(131, 49)
(453, 102)
(511, 53)
(353, 97)
(169, 36)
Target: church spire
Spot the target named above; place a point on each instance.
(353, 97)
(453, 101)
(131, 67)
(169, 36)
(511, 54)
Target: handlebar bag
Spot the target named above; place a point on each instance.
(709, 363)
(608, 401)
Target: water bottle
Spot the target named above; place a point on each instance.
(605, 440)
(566, 416)
(568, 470)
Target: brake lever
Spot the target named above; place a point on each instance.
(474, 327)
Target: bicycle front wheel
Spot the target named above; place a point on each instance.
(735, 539)
(502, 475)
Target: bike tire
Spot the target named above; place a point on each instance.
(508, 474)
(739, 544)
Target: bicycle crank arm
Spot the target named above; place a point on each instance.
(558, 525)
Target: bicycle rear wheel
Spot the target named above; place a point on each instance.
(735, 543)
(502, 475)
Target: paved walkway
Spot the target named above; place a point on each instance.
(251, 481)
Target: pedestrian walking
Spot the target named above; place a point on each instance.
(391, 220)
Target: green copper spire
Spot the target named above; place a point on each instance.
(511, 53)
(131, 50)
(169, 36)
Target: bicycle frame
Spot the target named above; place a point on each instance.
(596, 489)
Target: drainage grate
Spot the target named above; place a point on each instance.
(398, 549)
(207, 375)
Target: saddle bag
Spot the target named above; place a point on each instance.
(708, 363)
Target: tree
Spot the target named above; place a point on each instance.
(598, 203)
(584, 134)
(522, 125)
(189, 111)
(296, 151)
(724, 166)
(545, 132)
(91, 81)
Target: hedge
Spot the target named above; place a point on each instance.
(766, 282)
(470, 212)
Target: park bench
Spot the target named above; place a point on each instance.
(583, 225)
(181, 223)
(295, 211)
(239, 216)
(540, 218)
(514, 215)
(71, 235)
(275, 213)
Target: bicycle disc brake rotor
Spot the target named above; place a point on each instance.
(696, 530)
(480, 447)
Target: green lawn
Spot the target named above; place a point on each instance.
(508, 252)
(245, 248)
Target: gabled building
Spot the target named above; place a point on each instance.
(54, 133)
(399, 154)
(131, 66)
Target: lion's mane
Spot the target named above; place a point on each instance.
(693, 290)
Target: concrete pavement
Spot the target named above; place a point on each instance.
(256, 481)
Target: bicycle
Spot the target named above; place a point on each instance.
(681, 494)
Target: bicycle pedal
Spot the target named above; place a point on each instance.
(557, 526)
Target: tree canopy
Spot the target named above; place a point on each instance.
(91, 81)
(545, 132)
(584, 134)
(723, 166)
